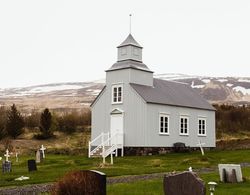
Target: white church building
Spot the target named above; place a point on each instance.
(136, 113)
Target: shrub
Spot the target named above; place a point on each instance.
(45, 124)
(32, 120)
(77, 183)
(2, 122)
(68, 123)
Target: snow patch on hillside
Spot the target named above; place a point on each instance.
(173, 76)
(96, 92)
(229, 84)
(244, 80)
(206, 80)
(242, 90)
(222, 80)
(54, 88)
(196, 86)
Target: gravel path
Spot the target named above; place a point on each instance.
(42, 188)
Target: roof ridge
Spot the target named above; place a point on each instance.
(171, 81)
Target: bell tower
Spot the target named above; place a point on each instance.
(129, 50)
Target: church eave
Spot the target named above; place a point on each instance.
(129, 45)
(121, 68)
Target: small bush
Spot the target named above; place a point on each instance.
(68, 123)
(76, 183)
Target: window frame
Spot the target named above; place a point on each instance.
(205, 127)
(164, 115)
(180, 126)
(116, 86)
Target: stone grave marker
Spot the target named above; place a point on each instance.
(7, 155)
(43, 151)
(230, 173)
(99, 180)
(201, 148)
(38, 156)
(185, 183)
(17, 156)
(6, 167)
(32, 165)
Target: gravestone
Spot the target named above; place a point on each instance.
(180, 147)
(232, 176)
(201, 148)
(185, 183)
(43, 151)
(98, 179)
(17, 156)
(230, 173)
(38, 156)
(6, 167)
(32, 165)
(7, 155)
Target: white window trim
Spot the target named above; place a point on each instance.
(202, 135)
(163, 115)
(112, 93)
(185, 117)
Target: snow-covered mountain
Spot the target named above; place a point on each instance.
(77, 95)
(232, 90)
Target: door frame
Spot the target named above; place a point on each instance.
(118, 111)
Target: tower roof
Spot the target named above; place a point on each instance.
(130, 41)
(129, 64)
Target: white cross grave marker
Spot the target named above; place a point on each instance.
(7, 155)
(200, 145)
(43, 149)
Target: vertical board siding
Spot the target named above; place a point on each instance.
(141, 77)
(141, 120)
(155, 139)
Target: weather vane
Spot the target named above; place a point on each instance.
(130, 15)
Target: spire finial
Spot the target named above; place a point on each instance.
(130, 16)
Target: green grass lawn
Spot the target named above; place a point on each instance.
(155, 187)
(56, 166)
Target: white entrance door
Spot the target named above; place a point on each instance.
(116, 126)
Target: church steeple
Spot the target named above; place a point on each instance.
(129, 49)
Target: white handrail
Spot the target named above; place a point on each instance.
(101, 136)
(111, 141)
(111, 149)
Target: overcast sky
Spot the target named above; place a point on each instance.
(75, 40)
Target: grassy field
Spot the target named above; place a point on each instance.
(155, 187)
(56, 166)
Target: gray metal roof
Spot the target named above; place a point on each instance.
(172, 93)
(130, 41)
(129, 64)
